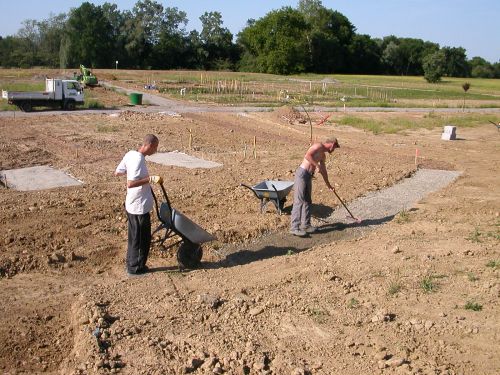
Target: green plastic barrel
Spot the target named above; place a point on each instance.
(135, 98)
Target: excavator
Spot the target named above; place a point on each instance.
(86, 78)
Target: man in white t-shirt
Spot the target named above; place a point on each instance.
(138, 203)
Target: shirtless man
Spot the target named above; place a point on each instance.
(313, 160)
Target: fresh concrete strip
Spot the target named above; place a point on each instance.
(180, 159)
(37, 178)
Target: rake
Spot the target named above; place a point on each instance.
(343, 204)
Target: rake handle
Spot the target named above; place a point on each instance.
(343, 204)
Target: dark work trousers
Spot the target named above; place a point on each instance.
(139, 241)
(301, 211)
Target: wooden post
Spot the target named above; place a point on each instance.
(254, 147)
(190, 139)
(416, 157)
(244, 150)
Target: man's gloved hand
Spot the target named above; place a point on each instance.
(155, 180)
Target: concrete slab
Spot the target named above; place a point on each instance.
(37, 178)
(181, 159)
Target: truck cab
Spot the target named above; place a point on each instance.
(65, 90)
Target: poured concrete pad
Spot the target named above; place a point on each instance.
(37, 178)
(180, 159)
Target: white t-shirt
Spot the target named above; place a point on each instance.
(139, 199)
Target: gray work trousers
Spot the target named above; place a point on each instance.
(301, 211)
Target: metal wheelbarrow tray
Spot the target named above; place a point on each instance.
(271, 190)
(191, 235)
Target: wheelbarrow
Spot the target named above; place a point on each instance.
(271, 191)
(189, 252)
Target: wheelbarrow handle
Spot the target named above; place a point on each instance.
(253, 191)
(156, 201)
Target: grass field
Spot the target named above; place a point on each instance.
(400, 123)
(274, 90)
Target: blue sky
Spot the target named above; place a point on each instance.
(473, 25)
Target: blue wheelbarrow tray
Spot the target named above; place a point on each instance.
(274, 191)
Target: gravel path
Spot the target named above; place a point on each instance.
(375, 208)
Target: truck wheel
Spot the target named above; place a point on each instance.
(70, 105)
(189, 255)
(26, 107)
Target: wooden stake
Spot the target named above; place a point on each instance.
(254, 147)
(245, 150)
(190, 139)
(416, 157)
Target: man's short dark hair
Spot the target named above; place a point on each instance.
(151, 139)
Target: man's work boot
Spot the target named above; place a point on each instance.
(298, 232)
(310, 229)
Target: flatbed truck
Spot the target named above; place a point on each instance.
(59, 93)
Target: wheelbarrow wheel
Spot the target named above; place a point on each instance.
(189, 255)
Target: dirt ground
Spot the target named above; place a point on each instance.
(390, 302)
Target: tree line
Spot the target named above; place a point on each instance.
(307, 39)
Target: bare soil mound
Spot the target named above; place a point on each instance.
(417, 295)
(289, 115)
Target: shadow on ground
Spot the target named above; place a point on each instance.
(281, 244)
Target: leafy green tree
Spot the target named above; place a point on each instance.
(29, 36)
(117, 35)
(195, 56)
(51, 34)
(11, 48)
(217, 42)
(88, 37)
(391, 55)
(496, 70)
(142, 28)
(480, 68)
(277, 42)
(329, 34)
(456, 62)
(404, 56)
(434, 65)
(364, 55)
(171, 49)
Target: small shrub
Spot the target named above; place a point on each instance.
(472, 277)
(319, 315)
(94, 104)
(101, 128)
(475, 236)
(403, 216)
(474, 306)
(290, 252)
(353, 303)
(495, 264)
(428, 285)
(394, 287)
